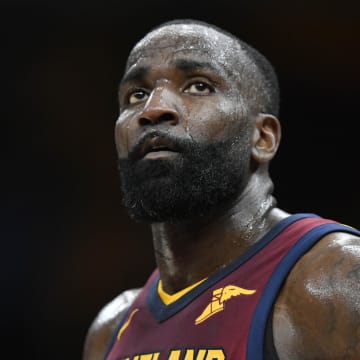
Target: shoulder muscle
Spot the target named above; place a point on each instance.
(317, 314)
(104, 325)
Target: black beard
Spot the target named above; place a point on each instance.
(199, 179)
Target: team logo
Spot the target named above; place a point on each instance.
(184, 354)
(218, 300)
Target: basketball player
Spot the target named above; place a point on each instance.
(237, 277)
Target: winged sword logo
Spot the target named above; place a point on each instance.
(219, 297)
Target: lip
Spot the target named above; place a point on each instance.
(159, 154)
(158, 147)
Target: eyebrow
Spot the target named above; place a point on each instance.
(135, 74)
(185, 65)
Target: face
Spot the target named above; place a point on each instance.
(183, 134)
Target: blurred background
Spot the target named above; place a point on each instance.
(68, 246)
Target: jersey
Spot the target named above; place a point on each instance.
(224, 316)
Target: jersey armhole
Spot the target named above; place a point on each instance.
(270, 352)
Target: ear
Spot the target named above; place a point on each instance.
(266, 137)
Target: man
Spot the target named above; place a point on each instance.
(237, 277)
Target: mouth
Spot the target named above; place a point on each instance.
(158, 148)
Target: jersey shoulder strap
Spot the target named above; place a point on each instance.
(257, 334)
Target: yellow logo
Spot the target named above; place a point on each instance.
(185, 354)
(218, 300)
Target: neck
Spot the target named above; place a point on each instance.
(190, 251)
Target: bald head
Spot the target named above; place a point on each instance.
(196, 124)
(254, 74)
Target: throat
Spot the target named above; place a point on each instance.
(186, 254)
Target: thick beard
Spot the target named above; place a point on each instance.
(199, 179)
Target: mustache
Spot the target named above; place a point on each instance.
(177, 144)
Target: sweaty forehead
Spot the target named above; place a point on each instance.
(196, 39)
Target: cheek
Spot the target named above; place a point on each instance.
(122, 133)
(216, 121)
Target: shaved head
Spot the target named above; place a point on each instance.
(255, 74)
(203, 95)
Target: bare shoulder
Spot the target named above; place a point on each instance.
(104, 325)
(317, 314)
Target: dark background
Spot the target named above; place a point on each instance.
(68, 246)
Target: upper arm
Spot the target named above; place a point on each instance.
(317, 314)
(102, 328)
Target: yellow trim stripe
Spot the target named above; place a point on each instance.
(170, 298)
(126, 324)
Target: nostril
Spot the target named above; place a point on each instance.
(143, 121)
(154, 118)
(166, 117)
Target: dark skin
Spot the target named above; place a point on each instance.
(191, 85)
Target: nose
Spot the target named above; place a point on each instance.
(158, 109)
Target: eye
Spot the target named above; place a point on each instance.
(199, 88)
(137, 96)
